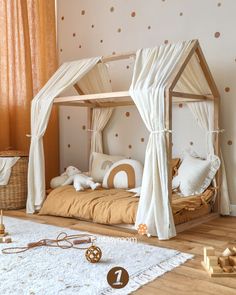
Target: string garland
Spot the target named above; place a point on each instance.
(63, 241)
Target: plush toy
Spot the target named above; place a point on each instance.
(58, 181)
(80, 181)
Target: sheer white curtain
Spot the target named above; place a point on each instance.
(96, 81)
(204, 115)
(41, 107)
(193, 81)
(152, 70)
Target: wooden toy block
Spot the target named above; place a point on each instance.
(211, 261)
(216, 269)
(223, 261)
(5, 240)
(2, 229)
(228, 252)
(232, 260)
(221, 266)
(208, 251)
(228, 269)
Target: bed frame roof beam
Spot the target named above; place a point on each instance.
(88, 98)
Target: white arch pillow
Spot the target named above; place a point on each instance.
(125, 174)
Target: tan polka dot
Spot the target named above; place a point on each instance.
(230, 142)
(127, 114)
(130, 146)
(112, 9)
(217, 34)
(166, 41)
(62, 18)
(191, 143)
(68, 117)
(68, 145)
(133, 14)
(180, 105)
(83, 12)
(119, 30)
(74, 34)
(142, 139)
(83, 127)
(227, 89)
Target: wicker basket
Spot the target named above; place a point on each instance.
(14, 194)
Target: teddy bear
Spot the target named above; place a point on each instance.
(79, 180)
(75, 176)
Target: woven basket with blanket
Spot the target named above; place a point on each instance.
(13, 192)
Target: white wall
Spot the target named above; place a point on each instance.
(82, 24)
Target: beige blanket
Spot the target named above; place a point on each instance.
(109, 206)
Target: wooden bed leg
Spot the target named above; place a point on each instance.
(89, 123)
(216, 207)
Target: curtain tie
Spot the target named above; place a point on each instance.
(160, 131)
(33, 136)
(95, 131)
(216, 131)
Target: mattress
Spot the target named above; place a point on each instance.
(117, 206)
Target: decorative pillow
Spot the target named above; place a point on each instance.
(195, 174)
(124, 174)
(100, 165)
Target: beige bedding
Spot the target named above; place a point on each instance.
(108, 206)
(112, 206)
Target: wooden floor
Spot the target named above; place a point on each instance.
(189, 278)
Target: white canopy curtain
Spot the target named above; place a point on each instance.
(41, 107)
(96, 81)
(204, 115)
(193, 81)
(152, 70)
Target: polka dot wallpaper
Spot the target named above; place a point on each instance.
(92, 28)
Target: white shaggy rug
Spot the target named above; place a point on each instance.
(54, 271)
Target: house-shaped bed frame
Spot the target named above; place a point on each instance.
(68, 74)
(122, 98)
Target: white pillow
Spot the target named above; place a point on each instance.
(124, 174)
(195, 174)
(100, 165)
(136, 190)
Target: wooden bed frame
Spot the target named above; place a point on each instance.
(122, 98)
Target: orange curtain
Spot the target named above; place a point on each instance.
(28, 57)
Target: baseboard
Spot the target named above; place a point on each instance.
(233, 210)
